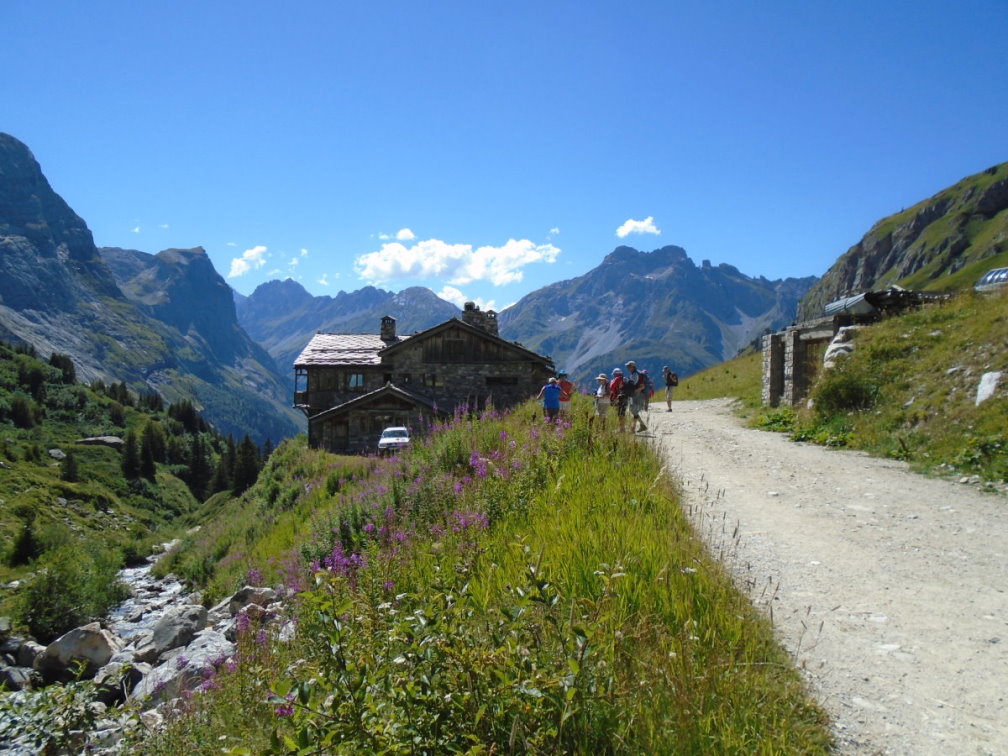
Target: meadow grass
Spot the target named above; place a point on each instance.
(740, 378)
(506, 586)
(908, 391)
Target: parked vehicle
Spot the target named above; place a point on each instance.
(394, 438)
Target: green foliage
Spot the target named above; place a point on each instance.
(85, 497)
(53, 720)
(71, 587)
(781, 420)
(843, 390)
(908, 390)
(501, 587)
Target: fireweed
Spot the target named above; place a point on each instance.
(515, 586)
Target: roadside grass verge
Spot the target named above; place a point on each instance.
(908, 391)
(506, 586)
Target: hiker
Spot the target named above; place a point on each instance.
(648, 391)
(633, 388)
(567, 390)
(550, 394)
(602, 398)
(617, 399)
(671, 381)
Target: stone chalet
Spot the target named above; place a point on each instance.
(351, 386)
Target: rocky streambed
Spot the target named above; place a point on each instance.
(151, 649)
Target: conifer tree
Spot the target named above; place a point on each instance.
(246, 466)
(131, 457)
(200, 472)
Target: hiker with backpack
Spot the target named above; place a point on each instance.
(616, 397)
(671, 381)
(633, 388)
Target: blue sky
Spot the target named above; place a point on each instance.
(487, 149)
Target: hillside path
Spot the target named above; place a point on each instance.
(888, 588)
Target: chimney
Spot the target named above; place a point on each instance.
(487, 321)
(388, 329)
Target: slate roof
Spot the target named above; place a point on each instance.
(342, 349)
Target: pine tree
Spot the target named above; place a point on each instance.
(198, 477)
(246, 466)
(131, 457)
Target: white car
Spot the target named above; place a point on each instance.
(396, 437)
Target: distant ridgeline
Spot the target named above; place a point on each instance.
(657, 308)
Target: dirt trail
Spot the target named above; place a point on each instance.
(888, 588)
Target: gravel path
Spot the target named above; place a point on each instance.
(888, 588)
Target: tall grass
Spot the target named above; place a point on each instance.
(512, 586)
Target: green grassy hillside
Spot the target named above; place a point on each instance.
(943, 243)
(907, 392)
(504, 586)
(72, 513)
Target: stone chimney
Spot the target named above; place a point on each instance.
(487, 321)
(388, 328)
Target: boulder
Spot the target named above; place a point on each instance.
(250, 595)
(116, 680)
(15, 678)
(841, 345)
(987, 386)
(89, 644)
(185, 669)
(178, 627)
(112, 441)
(29, 652)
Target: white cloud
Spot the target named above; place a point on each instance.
(135, 229)
(405, 234)
(251, 259)
(163, 226)
(324, 281)
(455, 263)
(273, 273)
(457, 298)
(631, 226)
(232, 244)
(554, 231)
(304, 252)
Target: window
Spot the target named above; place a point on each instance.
(356, 382)
(501, 380)
(431, 380)
(406, 379)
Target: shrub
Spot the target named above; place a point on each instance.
(840, 391)
(73, 586)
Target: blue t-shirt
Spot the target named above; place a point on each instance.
(551, 396)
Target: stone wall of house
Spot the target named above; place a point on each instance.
(450, 384)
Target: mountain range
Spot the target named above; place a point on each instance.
(169, 322)
(658, 308)
(163, 323)
(282, 316)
